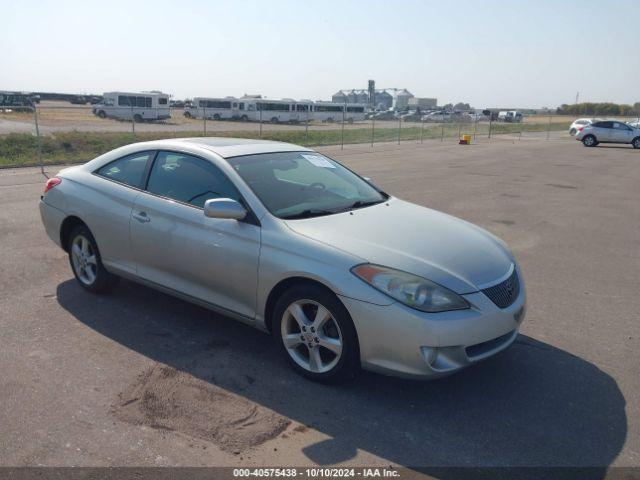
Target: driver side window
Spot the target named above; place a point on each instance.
(189, 179)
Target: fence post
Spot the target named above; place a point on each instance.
(475, 128)
(422, 130)
(260, 122)
(548, 127)
(133, 122)
(373, 129)
(39, 140)
(344, 108)
(490, 122)
(399, 128)
(459, 128)
(204, 120)
(521, 127)
(306, 126)
(442, 131)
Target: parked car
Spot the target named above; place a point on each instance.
(437, 117)
(580, 122)
(386, 115)
(287, 240)
(510, 116)
(412, 117)
(608, 131)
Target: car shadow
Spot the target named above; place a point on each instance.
(532, 405)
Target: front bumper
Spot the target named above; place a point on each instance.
(400, 341)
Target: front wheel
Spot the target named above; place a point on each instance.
(86, 262)
(572, 132)
(636, 142)
(589, 141)
(316, 334)
(102, 114)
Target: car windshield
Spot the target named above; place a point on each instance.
(304, 184)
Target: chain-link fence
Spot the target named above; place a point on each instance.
(58, 132)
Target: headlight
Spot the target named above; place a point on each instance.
(415, 292)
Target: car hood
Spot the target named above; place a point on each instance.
(415, 239)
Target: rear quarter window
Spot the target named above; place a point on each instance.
(128, 170)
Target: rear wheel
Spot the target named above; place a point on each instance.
(636, 142)
(589, 141)
(102, 114)
(86, 263)
(572, 131)
(316, 334)
(274, 120)
(216, 116)
(188, 114)
(244, 118)
(137, 118)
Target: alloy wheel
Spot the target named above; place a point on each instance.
(311, 336)
(85, 263)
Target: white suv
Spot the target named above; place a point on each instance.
(608, 131)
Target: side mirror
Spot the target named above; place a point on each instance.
(224, 208)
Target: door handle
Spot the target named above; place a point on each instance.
(141, 217)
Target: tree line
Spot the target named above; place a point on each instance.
(605, 108)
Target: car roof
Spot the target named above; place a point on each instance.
(233, 147)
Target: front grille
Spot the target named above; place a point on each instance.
(504, 293)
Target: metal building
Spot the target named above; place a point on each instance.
(385, 98)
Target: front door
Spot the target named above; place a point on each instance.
(621, 133)
(176, 246)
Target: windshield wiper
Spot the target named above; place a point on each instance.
(309, 213)
(362, 204)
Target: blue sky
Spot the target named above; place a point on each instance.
(489, 53)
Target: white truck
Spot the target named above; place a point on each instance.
(510, 116)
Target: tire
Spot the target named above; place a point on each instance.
(329, 354)
(275, 120)
(90, 274)
(188, 115)
(244, 118)
(636, 142)
(349, 121)
(589, 141)
(216, 116)
(572, 131)
(102, 114)
(137, 118)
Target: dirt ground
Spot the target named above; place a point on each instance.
(140, 378)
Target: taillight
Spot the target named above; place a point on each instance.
(52, 182)
(580, 129)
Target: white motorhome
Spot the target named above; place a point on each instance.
(136, 106)
(217, 109)
(327, 111)
(333, 112)
(274, 111)
(355, 112)
(510, 116)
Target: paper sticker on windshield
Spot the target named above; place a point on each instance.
(318, 160)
